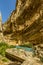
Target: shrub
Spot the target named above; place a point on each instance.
(3, 47)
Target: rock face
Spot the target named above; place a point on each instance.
(25, 23)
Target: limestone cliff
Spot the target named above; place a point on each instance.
(25, 24)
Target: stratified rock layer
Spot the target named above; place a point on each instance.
(25, 23)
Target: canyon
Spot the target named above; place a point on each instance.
(25, 26)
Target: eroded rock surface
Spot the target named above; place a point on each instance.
(18, 54)
(25, 57)
(25, 23)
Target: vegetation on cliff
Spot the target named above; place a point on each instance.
(4, 46)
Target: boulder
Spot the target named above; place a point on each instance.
(18, 54)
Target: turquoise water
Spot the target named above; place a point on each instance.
(25, 48)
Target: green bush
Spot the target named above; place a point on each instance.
(3, 47)
(4, 59)
(12, 46)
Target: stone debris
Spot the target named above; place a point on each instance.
(15, 63)
(31, 61)
(22, 56)
(18, 54)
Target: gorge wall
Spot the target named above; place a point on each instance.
(25, 24)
